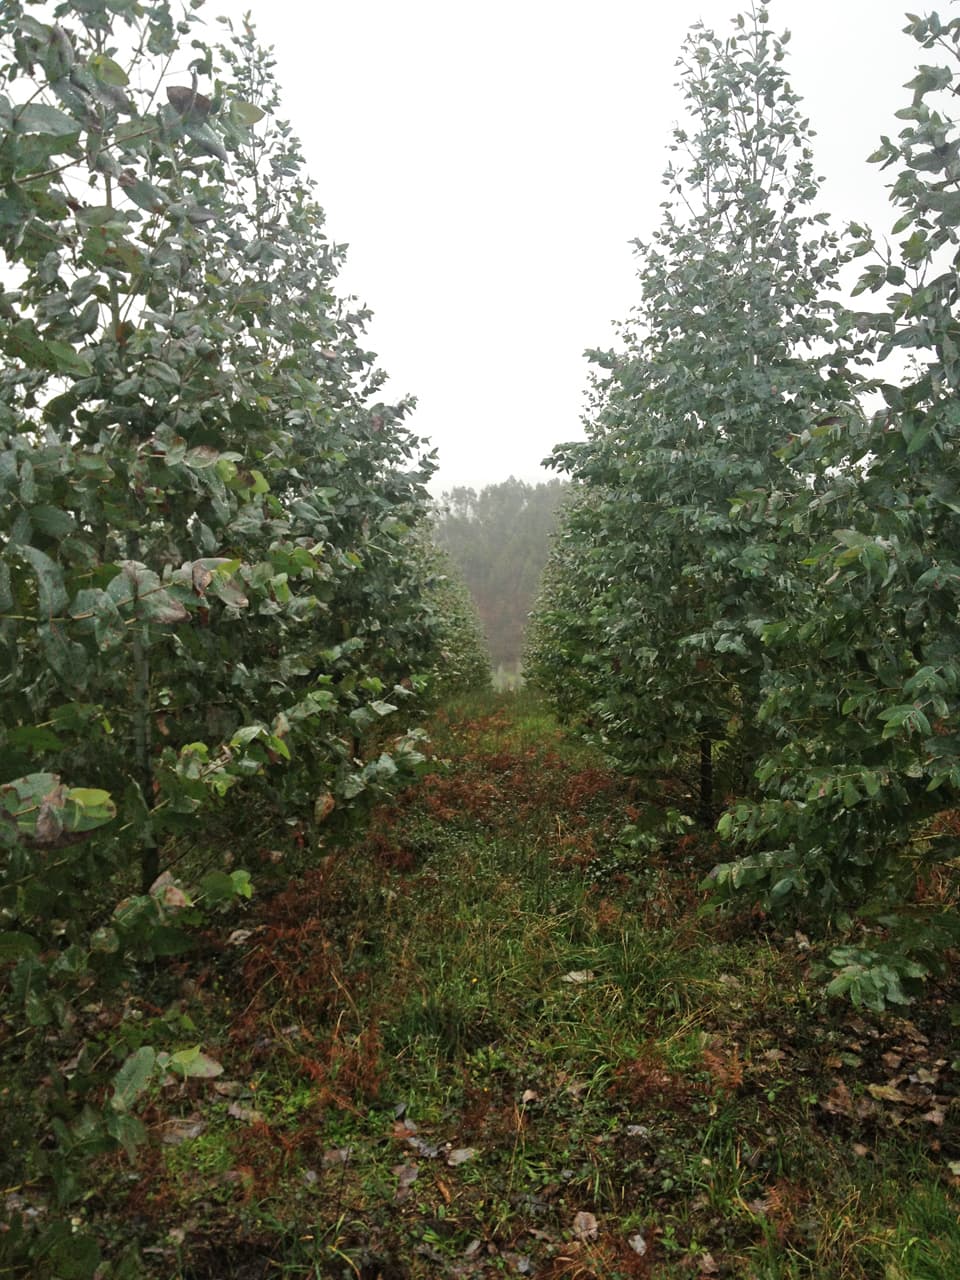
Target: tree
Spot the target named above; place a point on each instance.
(499, 540)
(732, 351)
(463, 658)
(209, 517)
(867, 692)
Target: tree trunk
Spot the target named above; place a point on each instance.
(706, 782)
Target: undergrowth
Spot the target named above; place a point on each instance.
(492, 1036)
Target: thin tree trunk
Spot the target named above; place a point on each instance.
(149, 852)
(706, 781)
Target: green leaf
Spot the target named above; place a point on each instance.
(37, 117)
(201, 457)
(145, 195)
(65, 656)
(132, 1078)
(192, 1064)
(218, 887)
(161, 607)
(15, 946)
(129, 1132)
(919, 439)
(206, 139)
(88, 808)
(245, 113)
(108, 71)
(64, 359)
(165, 940)
(52, 521)
(52, 592)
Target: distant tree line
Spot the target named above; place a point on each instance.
(499, 540)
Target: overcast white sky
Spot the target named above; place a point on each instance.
(489, 163)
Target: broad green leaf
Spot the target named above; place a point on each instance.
(108, 71)
(218, 887)
(37, 117)
(132, 1078)
(193, 1064)
(53, 521)
(64, 359)
(14, 946)
(66, 657)
(245, 113)
(52, 592)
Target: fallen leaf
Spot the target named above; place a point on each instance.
(838, 1101)
(229, 1088)
(181, 1130)
(578, 976)
(585, 1227)
(425, 1149)
(886, 1093)
(707, 1264)
(248, 1114)
(860, 1150)
(460, 1155)
(406, 1174)
(911, 1032)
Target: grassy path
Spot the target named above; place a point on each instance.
(490, 1039)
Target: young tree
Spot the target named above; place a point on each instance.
(208, 516)
(730, 353)
(866, 701)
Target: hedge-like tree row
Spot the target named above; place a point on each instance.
(218, 610)
(758, 581)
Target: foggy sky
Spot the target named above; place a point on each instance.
(489, 164)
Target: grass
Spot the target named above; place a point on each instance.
(492, 1037)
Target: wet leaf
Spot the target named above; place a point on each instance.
(460, 1155)
(585, 1226)
(181, 1129)
(886, 1093)
(578, 976)
(249, 1115)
